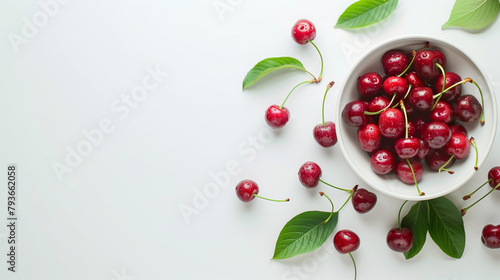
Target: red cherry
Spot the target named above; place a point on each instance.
(403, 171)
(437, 158)
(425, 63)
(442, 112)
(346, 241)
(382, 161)
(395, 85)
(400, 239)
(394, 62)
(458, 128)
(277, 117)
(407, 147)
(363, 200)
(391, 123)
(378, 103)
(303, 31)
(451, 79)
(458, 146)
(369, 137)
(490, 236)
(436, 134)
(246, 190)
(467, 108)
(369, 84)
(353, 113)
(325, 134)
(494, 176)
(414, 80)
(421, 98)
(423, 151)
(309, 174)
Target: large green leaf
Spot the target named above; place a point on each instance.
(269, 65)
(473, 14)
(366, 12)
(304, 233)
(416, 221)
(446, 226)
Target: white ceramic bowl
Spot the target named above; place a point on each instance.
(433, 184)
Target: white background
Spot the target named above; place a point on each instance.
(115, 212)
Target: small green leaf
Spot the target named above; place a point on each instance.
(269, 65)
(304, 233)
(446, 226)
(416, 221)
(473, 14)
(366, 12)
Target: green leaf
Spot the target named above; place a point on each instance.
(446, 226)
(416, 221)
(304, 233)
(366, 12)
(269, 65)
(473, 14)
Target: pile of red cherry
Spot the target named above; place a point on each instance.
(411, 114)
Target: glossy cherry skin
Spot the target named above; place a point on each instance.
(451, 79)
(490, 236)
(394, 62)
(369, 137)
(382, 161)
(246, 190)
(421, 122)
(309, 174)
(277, 117)
(494, 176)
(436, 134)
(423, 150)
(363, 200)
(407, 147)
(425, 63)
(395, 85)
(467, 108)
(437, 158)
(458, 146)
(458, 128)
(346, 241)
(400, 239)
(369, 84)
(378, 103)
(414, 80)
(421, 98)
(442, 113)
(404, 173)
(303, 31)
(391, 123)
(325, 135)
(353, 113)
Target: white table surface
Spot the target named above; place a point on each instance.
(71, 71)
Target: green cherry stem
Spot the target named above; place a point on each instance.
(399, 213)
(321, 57)
(340, 189)
(464, 210)
(333, 207)
(328, 87)
(413, 53)
(466, 80)
(444, 82)
(301, 83)
(347, 200)
(403, 108)
(414, 178)
(473, 143)
(387, 107)
(482, 101)
(466, 197)
(354, 263)
(406, 95)
(275, 200)
(442, 168)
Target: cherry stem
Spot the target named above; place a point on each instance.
(331, 202)
(482, 101)
(444, 83)
(354, 263)
(414, 178)
(321, 57)
(328, 87)
(380, 111)
(347, 200)
(402, 103)
(413, 53)
(464, 210)
(399, 213)
(275, 200)
(438, 96)
(301, 83)
(444, 165)
(406, 95)
(341, 189)
(473, 143)
(466, 197)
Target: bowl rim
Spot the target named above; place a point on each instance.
(387, 42)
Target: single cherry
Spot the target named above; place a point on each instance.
(400, 239)
(395, 85)
(382, 161)
(451, 79)
(490, 236)
(247, 190)
(409, 171)
(391, 123)
(276, 116)
(309, 174)
(303, 31)
(406, 147)
(346, 241)
(378, 103)
(494, 176)
(467, 108)
(369, 137)
(325, 133)
(414, 80)
(423, 150)
(425, 63)
(353, 113)
(437, 158)
(363, 200)
(458, 146)
(369, 84)
(394, 62)
(458, 128)
(436, 134)
(442, 112)
(421, 98)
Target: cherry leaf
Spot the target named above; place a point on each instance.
(416, 221)
(366, 12)
(473, 14)
(270, 65)
(304, 233)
